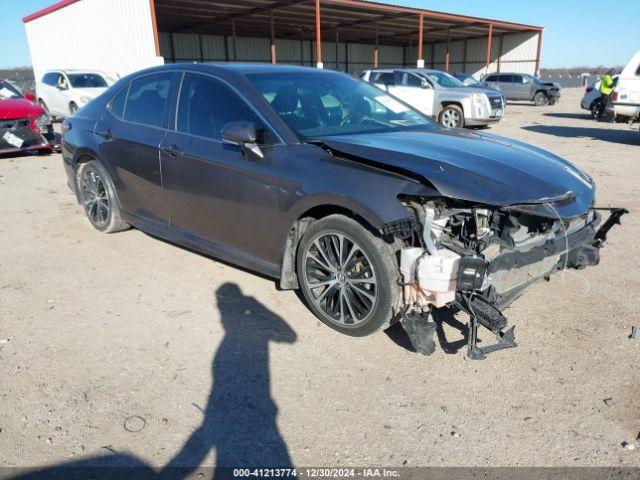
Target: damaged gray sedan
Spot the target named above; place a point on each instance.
(334, 187)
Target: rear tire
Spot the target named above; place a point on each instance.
(540, 99)
(98, 197)
(451, 116)
(355, 274)
(596, 108)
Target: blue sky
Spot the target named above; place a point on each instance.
(578, 32)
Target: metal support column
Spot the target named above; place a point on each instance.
(420, 62)
(318, 37)
(376, 62)
(489, 39)
(539, 54)
(272, 38)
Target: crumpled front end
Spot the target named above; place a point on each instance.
(480, 258)
(26, 134)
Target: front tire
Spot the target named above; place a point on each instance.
(73, 108)
(540, 99)
(451, 116)
(98, 198)
(348, 276)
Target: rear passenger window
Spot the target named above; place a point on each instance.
(491, 78)
(50, 79)
(206, 105)
(506, 78)
(118, 102)
(412, 80)
(147, 99)
(384, 78)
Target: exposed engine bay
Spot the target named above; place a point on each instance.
(480, 259)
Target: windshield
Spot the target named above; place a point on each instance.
(469, 81)
(87, 80)
(532, 79)
(443, 79)
(8, 91)
(326, 103)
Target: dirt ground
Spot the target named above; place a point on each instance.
(126, 347)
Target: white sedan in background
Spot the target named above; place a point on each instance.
(62, 92)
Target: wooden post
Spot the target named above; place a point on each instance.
(539, 54)
(489, 39)
(318, 37)
(233, 40)
(272, 37)
(376, 62)
(447, 55)
(420, 62)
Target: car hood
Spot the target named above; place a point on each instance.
(474, 166)
(11, 108)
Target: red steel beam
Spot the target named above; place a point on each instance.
(375, 51)
(539, 54)
(420, 40)
(272, 38)
(489, 38)
(318, 36)
(447, 56)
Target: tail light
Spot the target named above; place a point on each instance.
(614, 96)
(588, 89)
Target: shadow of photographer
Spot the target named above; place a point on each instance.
(240, 416)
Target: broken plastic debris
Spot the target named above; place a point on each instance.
(628, 445)
(633, 332)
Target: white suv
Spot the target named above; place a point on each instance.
(62, 92)
(626, 95)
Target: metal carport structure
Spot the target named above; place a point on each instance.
(122, 36)
(342, 34)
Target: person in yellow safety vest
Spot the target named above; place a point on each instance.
(606, 89)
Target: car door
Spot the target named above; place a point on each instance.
(46, 88)
(60, 95)
(507, 86)
(413, 90)
(130, 134)
(520, 87)
(217, 191)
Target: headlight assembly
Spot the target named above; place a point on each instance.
(85, 99)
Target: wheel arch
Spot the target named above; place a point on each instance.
(302, 222)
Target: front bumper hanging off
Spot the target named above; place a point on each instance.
(484, 307)
(578, 251)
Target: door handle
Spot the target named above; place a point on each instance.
(106, 134)
(172, 150)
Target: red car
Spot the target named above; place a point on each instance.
(24, 125)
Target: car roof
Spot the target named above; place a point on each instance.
(74, 70)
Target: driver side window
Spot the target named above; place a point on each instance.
(206, 105)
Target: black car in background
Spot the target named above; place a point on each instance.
(329, 185)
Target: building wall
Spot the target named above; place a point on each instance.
(115, 37)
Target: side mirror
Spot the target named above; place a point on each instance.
(424, 84)
(30, 96)
(242, 134)
(61, 87)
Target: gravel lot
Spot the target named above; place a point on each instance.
(125, 346)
